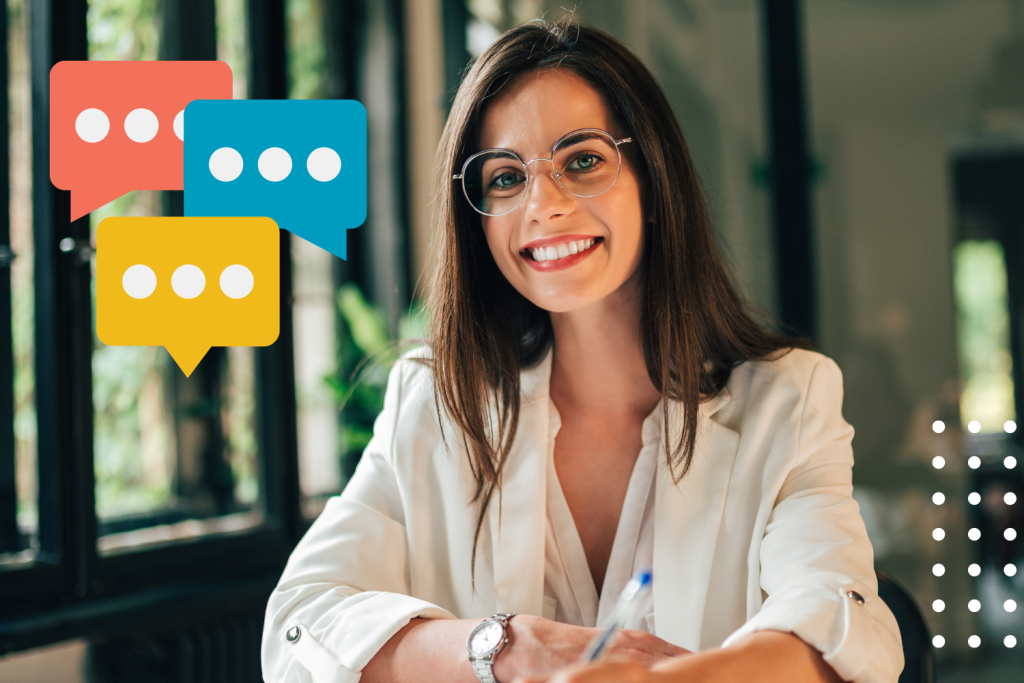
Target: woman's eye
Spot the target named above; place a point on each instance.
(584, 162)
(505, 181)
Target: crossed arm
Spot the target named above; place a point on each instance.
(764, 657)
(543, 651)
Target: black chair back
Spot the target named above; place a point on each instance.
(918, 655)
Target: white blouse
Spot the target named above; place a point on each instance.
(570, 595)
(761, 534)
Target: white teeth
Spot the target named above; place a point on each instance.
(562, 250)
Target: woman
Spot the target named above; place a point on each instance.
(593, 399)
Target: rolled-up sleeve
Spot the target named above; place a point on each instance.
(817, 563)
(345, 589)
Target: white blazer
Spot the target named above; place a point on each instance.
(762, 532)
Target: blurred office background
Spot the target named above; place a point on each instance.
(864, 160)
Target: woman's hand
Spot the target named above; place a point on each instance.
(613, 670)
(538, 647)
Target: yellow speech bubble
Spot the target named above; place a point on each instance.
(188, 284)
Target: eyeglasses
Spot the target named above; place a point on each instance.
(585, 163)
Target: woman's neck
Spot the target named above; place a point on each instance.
(598, 361)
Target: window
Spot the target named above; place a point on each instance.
(127, 473)
(19, 522)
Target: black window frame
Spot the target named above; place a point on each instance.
(69, 588)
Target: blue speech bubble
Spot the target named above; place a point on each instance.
(300, 162)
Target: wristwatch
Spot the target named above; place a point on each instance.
(486, 640)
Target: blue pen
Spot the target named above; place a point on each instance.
(632, 595)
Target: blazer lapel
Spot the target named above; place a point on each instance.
(687, 517)
(517, 520)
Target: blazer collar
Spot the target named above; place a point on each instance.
(687, 515)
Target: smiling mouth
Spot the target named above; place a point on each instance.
(561, 251)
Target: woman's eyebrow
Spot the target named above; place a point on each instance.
(581, 137)
(572, 140)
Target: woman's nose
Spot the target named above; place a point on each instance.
(544, 191)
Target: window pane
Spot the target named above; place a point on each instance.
(174, 457)
(231, 32)
(22, 289)
(314, 312)
(983, 332)
(916, 294)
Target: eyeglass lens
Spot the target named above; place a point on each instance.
(586, 165)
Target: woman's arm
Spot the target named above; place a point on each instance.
(428, 650)
(763, 657)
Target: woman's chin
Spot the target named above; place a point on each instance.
(563, 301)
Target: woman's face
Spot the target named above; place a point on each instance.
(528, 116)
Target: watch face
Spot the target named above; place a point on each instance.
(487, 638)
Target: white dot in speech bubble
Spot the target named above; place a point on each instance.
(236, 281)
(188, 281)
(141, 125)
(179, 125)
(323, 164)
(92, 125)
(226, 164)
(275, 164)
(139, 281)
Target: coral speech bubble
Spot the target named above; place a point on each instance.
(118, 126)
(188, 284)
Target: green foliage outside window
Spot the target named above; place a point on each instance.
(366, 353)
(983, 333)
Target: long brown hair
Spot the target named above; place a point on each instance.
(694, 327)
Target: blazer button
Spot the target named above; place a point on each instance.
(855, 596)
(293, 634)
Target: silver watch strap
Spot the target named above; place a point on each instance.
(483, 667)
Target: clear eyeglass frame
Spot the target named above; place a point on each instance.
(525, 164)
